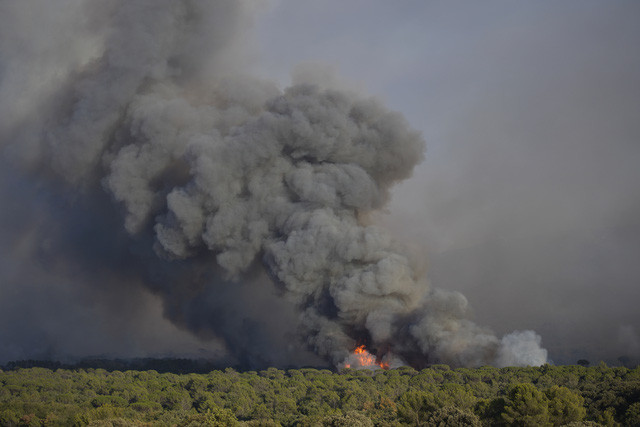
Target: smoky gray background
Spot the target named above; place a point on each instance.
(528, 201)
(73, 281)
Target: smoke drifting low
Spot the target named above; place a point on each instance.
(146, 161)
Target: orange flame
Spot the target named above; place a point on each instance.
(364, 359)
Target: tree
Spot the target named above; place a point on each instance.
(526, 406)
(564, 406)
(632, 416)
(350, 419)
(414, 407)
(8, 417)
(112, 422)
(217, 417)
(607, 418)
(452, 416)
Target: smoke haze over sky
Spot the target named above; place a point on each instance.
(527, 201)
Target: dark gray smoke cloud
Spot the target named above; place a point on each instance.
(528, 200)
(143, 162)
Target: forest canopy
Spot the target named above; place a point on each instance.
(438, 395)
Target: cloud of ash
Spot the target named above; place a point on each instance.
(528, 200)
(147, 161)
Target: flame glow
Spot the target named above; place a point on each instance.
(362, 359)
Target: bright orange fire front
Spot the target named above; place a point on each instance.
(361, 358)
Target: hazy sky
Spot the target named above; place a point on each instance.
(527, 202)
(529, 198)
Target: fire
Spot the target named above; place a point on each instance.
(361, 358)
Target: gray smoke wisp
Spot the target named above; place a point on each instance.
(242, 206)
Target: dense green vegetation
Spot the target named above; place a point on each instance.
(565, 395)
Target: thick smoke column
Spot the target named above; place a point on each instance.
(228, 177)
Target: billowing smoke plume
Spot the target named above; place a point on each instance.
(229, 189)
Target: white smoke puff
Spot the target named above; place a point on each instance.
(444, 334)
(521, 348)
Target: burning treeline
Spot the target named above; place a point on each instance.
(362, 359)
(228, 177)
